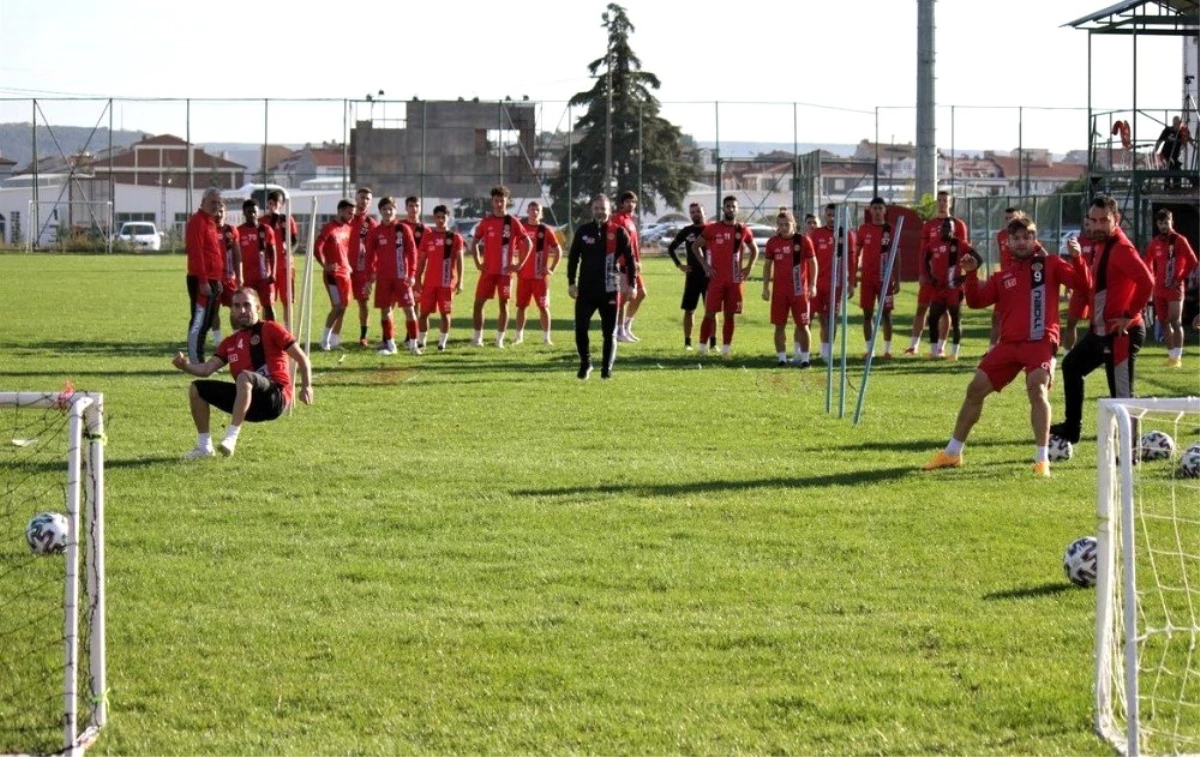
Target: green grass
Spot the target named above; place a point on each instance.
(473, 552)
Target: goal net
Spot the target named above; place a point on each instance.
(52, 665)
(1148, 576)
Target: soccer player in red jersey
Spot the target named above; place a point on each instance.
(941, 264)
(533, 282)
(720, 248)
(627, 306)
(825, 243)
(1025, 294)
(1079, 304)
(440, 270)
(412, 218)
(1120, 286)
(1172, 260)
(874, 244)
(257, 355)
(496, 247)
(936, 234)
(285, 272)
(332, 251)
(1005, 259)
(231, 270)
(257, 242)
(362, 272)
(791, 264)
(393, 254)
(204, 267)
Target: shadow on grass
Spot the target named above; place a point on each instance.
(73, 348)
(847, 478)
(1030, 592)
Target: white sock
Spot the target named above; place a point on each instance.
(1041, 454)
(954, 447)
(704, 348)
(955, 348)
(520, 334)
(804, 357)
(233, 431)
(782, 356)
(1177, 352)
(335, 339)
(204, 441)
(796, 348)
(887, 347)
(478, 336)
(442, 338)
(725, 349)
(915, 343)
(940, 348)
(499, 338)
(628, 325)
(825, 350)
(421, 336)
(326, 335)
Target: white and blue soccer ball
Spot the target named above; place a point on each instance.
(47, 534)
(1079, 562)
(1059, 449)
(1189, 462)
(1156, 445)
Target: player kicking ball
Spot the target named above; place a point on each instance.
(1025, 296)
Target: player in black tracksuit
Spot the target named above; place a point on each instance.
(696, 283)
(594, 259)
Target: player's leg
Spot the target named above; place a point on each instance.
(585, 307)
(1173, 321)
(415, 343)
(524, 296)
(1037, 386)
(542, 300)
(445, 306)
(484, 290)
(203, 395)
(608, 329)
(708, 325)
(919, 321)
(631, 311)
(197, 306)
(801, 337)
(955, 312)
(933, 318)
(1086, 356)
(885, 323)
(968, 415)
(503, 291)
(252, 401)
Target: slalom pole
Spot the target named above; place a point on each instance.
(843, 297)
(883, 295)
(306, 298)
(289, 281)
(831, 324)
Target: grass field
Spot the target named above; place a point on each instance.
(473, 552)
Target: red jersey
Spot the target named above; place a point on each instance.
(418, 230)
(279, 224)
(544, 240)
(258, 252)
(789, 264)
(724, 243)
(625, 221)
(360, 230)
(824, 241)
(1171, 259)
(932, 243)
(1006, 255)
(229, 243)
(205, 259)
(392, 251)
(439, 249)
(874, 244)
(262, 348)
(333, 246)
(1121, 283)
(1025, 294)
(501, 237)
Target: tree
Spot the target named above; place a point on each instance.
(666, 167)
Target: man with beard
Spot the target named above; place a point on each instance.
(720, 249)
(597, 253)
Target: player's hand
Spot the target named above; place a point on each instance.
(573, 291)
(180, 361)
(1073, 248)
(766, 293)
(458, 288)
(1121, 325)
(306, 395)
(411, 282)
(969, 264)
(478, 264)
(270, 279)
(330, 267)
(812, 293)
(205, 289)
(633, 291)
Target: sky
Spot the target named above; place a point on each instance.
(794, 70)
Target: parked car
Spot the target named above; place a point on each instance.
(141, 235)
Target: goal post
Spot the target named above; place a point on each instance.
(36, 228)
(1147, 653)
(52, 433)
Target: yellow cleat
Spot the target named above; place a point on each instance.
(1041, 470)
(1174, 362)
(942, 460)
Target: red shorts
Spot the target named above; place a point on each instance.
(948, 297)
(285, 288)
(393, 291)
(493, 285)
(360, 286)
(533, 289)
(338, 288)
(1162, 302)
(868, 295)
(925, 293)
(1080, 306)
(1003, 362)
(783, 305)
(440, 297)
(725, 296)
(820, 304)
(228, 287)
(266, 292)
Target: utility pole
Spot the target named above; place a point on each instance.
(926, 102)
(608, 110)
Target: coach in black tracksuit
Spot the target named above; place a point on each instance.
(594, 258)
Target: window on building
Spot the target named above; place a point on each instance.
(126, 217)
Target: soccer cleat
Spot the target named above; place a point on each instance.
(325, 347)
(585, 370)
(476, 342)
(548, 340)
(909, 351)
(1174, 362)
(887, 356)
(606, 373)
(1066, 431)
(624, 337)
(227, 446)
(725, 350)
(943, 460)
(386, 350)
(199, 452)
(520, 339)
(416, 349)
(866, 356)
(441, 348)
(335, 342)
(804, 364)
(363, 342)
(631, 336)
(1042, 469)
(688, 346)
(951, 357)
(783, 363)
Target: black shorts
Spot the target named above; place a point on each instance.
(266, 397)
(694, 288)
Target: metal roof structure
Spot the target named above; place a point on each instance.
(1150, 17)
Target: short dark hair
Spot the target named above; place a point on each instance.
(343, 204)
(810, 217)
(695, 205)
(440, 209)
(364, 190)
(500, 191)
(628, 195)
(1164, 215)
(387, 200)
(728, 198)
(831, 206)
(1021, 223)
(878, 201)
(943, 193)
(412, 198)
(1105, 202)
(249, 204)
(276, 195)
(1012, 210)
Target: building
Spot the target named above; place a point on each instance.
(325, 164)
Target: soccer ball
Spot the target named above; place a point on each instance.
(1189, 464)
(1156, 445)
(1079, 562)
(1060, 449)
(47, 534)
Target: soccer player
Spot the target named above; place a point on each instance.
(1172, 260)
(695, 282)
(935, 233)
(285, 272)
(257, 242)
(231, 270)
(1079, 304)
(940, 267)
(412, 219)
(720, 248)
(533, 282)
(332, 251)
(874, 244)
(1121, 285)
(628, 304)
(362, 272)
(791, 263)
(393, 254)
(1005, 259)
(1025, 294)
(204, 267)
(257, 355)
(825, 243)
(498, 238)
(440, 267)
(600, 254)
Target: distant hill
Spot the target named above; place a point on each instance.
(16, 142)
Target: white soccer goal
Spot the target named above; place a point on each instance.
(52, 652)
(44, 232)
(1148, 583)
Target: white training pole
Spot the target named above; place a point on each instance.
(288, 281)
(309, 259)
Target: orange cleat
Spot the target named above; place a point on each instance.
(943, 460)
(1041, 470)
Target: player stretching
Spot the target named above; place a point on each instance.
(874, 244)
(362, 272)
(695, 282)
(935, 233)
(1025, 296)
(393, 254)
(940, 265)
(790, 262)
(628, 305)
(533, 282)
(825, 243)
(332, 251)
(720, 248)
(1172, 260)
(257, 242)
(495, 250)
(440, 268)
